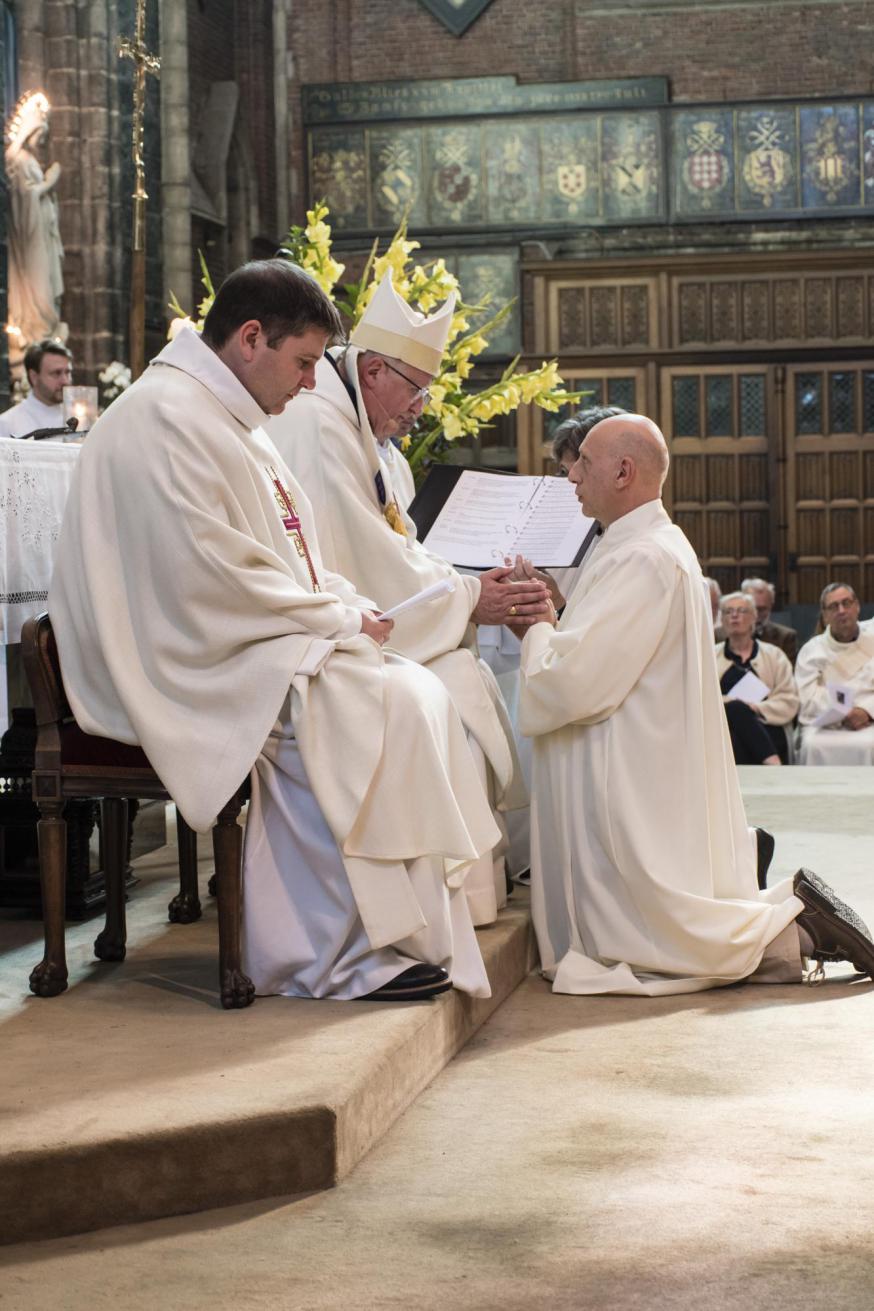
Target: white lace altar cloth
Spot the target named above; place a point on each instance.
(34, 481)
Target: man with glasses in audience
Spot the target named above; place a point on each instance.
(835, 678)
(339, 443)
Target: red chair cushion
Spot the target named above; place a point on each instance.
(84, 749)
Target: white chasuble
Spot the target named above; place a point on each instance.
(360, 501)
(824, 660)
(643, 870)
(191, 605)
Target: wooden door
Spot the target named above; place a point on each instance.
(830, 478)
(719, 422)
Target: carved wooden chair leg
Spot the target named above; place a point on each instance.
(50, 977)
(227, 837)
(111, 943)
(185, 906)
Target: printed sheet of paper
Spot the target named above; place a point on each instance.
(841, 699)
(488, 517)
(750, 688)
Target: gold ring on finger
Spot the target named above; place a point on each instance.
(512, 609)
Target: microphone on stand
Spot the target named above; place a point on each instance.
(39, 434)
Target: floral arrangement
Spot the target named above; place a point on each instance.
(455, 410)
(114, 379)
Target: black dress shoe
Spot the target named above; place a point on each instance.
(764, 855)
(418, 983)
(837, 932)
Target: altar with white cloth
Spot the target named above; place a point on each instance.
(35, 479)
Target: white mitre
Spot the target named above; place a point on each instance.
(391, 327)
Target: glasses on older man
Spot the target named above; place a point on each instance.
(732, 611)
(419, 393)
(834, 606)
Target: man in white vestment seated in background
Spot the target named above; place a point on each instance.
(644, 872)
(337, 440)
(49, 368)
(835, 677)
(194, 615)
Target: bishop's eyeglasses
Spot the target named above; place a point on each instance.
(419, 393)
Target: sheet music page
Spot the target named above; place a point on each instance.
(555, 527)
(488, 516)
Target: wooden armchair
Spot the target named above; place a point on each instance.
(70, 763)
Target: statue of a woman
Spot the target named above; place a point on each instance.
(35, 252)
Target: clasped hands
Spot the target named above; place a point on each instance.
(516, 595)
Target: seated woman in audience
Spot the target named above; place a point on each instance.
(757, 726)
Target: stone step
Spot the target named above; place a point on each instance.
(134, 1096)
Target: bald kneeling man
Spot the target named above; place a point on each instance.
(644, 872)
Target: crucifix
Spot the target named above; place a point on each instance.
(144, 62)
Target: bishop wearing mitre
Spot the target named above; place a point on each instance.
(195, 615)
(339, 442)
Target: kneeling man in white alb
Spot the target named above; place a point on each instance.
(644, 872)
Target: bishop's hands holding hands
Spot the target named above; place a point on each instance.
(514, 597)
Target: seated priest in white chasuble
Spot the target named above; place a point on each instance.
(644, 872)
(337, 441)
(195, 616)
(835, 677)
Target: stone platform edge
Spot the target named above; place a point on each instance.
(305, 1148)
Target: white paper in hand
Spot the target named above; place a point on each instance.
(442, 588)
(841, 699)
(750, 689)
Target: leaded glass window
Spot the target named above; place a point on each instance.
(842, 402)
(719, 415)
(620, 391)
(808, 403)
(752, 405)
(686, 406)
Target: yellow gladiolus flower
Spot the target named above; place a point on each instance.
(452, 426)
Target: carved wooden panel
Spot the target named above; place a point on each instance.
(722, 534)
(721, 477)
(692, 326)
(844, 532)
(635, 315)
(604, 316)
(755, 311)
(850, 307)
(844, 481)
(572, 328)
(688, 474)
(600, 314)
(818, 306)
(810, 476)
(811, 529)
(868, 479)
(755, 531)
(787, 310)
(732, 310)
(753, 472)
(724, 318)
(691, 522)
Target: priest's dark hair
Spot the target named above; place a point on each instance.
(285, 300)
(34, 355)
(569, 435)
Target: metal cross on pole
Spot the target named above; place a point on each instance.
(144, 62)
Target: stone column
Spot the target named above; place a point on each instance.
(175, 151)
(282, 110)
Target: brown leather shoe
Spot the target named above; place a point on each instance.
(837, 932)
